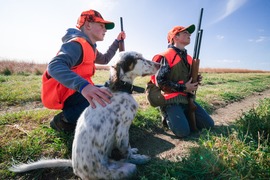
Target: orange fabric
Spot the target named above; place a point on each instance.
(53, 93)
(174, 94)
(93, 16)
(172, 58)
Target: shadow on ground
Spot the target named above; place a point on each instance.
(146, 141)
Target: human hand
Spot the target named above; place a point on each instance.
(199, 79)
(91, 92)
(191, 87)
(121, 36)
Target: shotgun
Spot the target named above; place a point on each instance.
(121, 42)
(194, 74)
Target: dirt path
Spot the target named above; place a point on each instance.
(165, 145)
(224, 116)
(21, 107)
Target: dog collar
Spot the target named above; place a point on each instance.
(124, 87)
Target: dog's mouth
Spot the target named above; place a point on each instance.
(145, 75)
(150, 73)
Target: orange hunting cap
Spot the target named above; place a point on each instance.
(177, 29)
(93, 16)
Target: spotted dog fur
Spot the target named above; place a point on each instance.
(104, 131)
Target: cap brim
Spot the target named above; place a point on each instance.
(108, 24)
(190, 28)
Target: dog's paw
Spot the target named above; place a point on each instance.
(138, 159)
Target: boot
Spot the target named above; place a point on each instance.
(59, 123)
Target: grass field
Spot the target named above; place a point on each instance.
(240, 151)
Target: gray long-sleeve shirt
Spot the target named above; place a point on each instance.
(70, 54)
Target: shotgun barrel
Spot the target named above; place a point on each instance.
(121, 42)
(194, 74)
(198, 38)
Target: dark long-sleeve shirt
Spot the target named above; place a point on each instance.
(162, 77)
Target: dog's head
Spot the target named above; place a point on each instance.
(129, 65)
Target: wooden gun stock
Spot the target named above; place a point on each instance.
(191, 114)
(121, 43)
(194, 75)
(191, 105)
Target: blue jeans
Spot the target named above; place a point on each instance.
(74, 106)
(177, 121)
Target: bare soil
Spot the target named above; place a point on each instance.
(165, 145)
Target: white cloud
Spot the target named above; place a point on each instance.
(260, 39)
(220, 37)
(228, 61)
(231, 6)
(260, 30)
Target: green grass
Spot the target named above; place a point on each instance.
(244, 148)
(235, 152)
(239, 151)
(230, 87)
(19, 89)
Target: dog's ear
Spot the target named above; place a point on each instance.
(128, 63)
(113, 74)
(116, 75)
(119, 72)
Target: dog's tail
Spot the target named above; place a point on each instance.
(43, 163)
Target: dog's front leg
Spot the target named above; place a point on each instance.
(122, 141)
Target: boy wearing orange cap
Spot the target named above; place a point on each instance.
(67, 84)
(175, 83)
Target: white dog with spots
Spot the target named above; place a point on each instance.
(101, 147)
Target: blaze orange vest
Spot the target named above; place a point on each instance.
(172, 58)
(53, 93)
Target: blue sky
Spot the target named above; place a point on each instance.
(236, 32)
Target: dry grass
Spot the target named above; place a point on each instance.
(207, 70)
(17, 67)
(228, 70)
